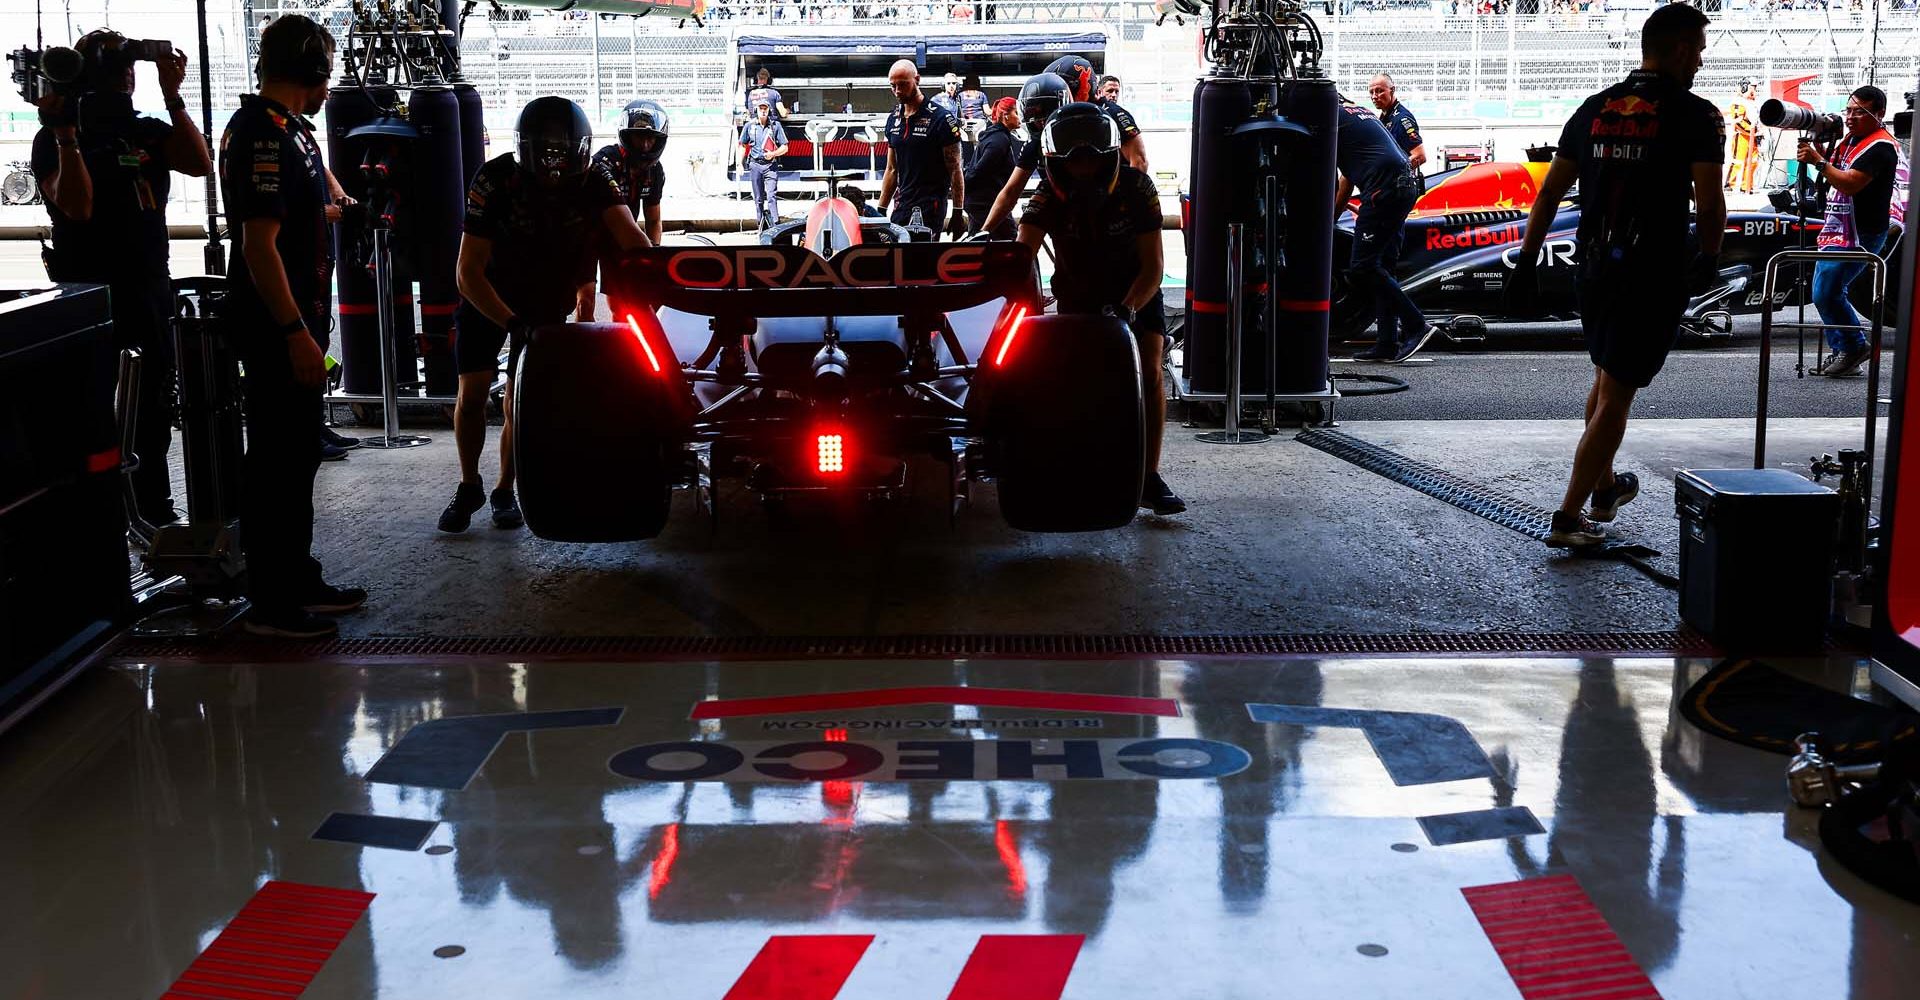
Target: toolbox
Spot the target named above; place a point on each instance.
(1756, 556)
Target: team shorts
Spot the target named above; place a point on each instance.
(1630, 314)
(477, 341)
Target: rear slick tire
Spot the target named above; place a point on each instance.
(1064, 425)
(598, 434)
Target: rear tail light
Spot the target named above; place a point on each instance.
(1013, 330)
(830, 453)
(653, 359)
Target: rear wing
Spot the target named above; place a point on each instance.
(744, 282)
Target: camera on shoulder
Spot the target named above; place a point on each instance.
(74, 71)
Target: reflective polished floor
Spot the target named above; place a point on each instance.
(1368, 828)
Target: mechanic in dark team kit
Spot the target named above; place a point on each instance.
(1083, 84)
(1104, 219)
(1399, 121)
(281, 272)
(633, 163)
(1041, 96)
(1371, 163)
(104, 170)
(534, 220)
(923, 157)
(1638, 149)
(992, 164)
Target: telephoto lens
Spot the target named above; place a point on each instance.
(1776, 113)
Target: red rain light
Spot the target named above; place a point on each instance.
(830, 452)
(663, 862)
(634, 325)
(1013, 330)
(1008, 845)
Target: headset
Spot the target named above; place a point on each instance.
(313, 65)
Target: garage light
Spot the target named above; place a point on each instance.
(634, 325)
(1013, 330)
(830, 452)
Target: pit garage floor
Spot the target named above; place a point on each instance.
(1475, 829)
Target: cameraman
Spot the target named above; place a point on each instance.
(104, 171)
(1861, 173)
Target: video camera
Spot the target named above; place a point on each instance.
(58, 69)
(1903, 120)
(1776, 113)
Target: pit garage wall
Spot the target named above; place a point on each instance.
(1899, 644)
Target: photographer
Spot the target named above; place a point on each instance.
(1861, 174)
(104, 170)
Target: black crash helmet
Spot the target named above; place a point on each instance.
(639, 120)
(553, 139)
(1040, 96)
(1076, 131)
(1078, 73)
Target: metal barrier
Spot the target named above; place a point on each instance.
(1875, 266)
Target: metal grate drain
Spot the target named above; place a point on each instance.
(244, 649)
(1481, 501)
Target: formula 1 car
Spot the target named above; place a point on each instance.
(1464, 232)
(824, 375)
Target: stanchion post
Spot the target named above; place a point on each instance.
(1236, 332)
(389, 383)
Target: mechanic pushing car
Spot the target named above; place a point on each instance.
(1104, 218)
(1371, 162)
(534, 219)
(633, 163)
(1041, 96)
(923, 157)
(1638, 149)
(1083, 84)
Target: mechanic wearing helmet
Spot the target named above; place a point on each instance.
(1104, 218)
(1082, 85)
(1370, 161)
(1041, 96)
(634, 162)
(992, 164)
(763, 141)
(923, 157)
(633, 165)
(534, 219)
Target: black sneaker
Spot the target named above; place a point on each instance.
(329, 436)
(459, 513)
(1848, 363)
(506, 510)
(1604, 504)
(1156, 496)
(332, 452)
(1413, 346)
(1380, 351)
(1573, 531)
(291, 623)
(329, 600)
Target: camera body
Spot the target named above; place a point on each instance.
(1776, 113)
(58, 69)
(1903, 120)
(55, 69)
